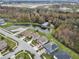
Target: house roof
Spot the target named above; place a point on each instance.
(2, 21)
(42, 40)
(62, 55)
(3, 45)
(50, 48)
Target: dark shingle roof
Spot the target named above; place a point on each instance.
(50, 48)
(62, 55)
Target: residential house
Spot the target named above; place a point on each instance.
(45, 24)
(42, 40)
(61, 55)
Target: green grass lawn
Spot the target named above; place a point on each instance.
(11, 44)
(34, 42)
(23, 55)
(6, 25)
(46, 56)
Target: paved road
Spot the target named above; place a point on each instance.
(21, 46)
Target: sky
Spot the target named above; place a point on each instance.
(40, 0)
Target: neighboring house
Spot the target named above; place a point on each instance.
(2, 22)
(50, 48)
(31, 34)
(61, 55)
(3, 45)
(47, 26)
(65, 9)
(42, 40)
(41, 30)
(35, 36)
(27, 33)
(77, 10)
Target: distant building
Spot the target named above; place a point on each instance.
(3, 45)
(61, 55)
(41, 30)
(50, 48)
(65, 9)
(77, 10)
(2, 22)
